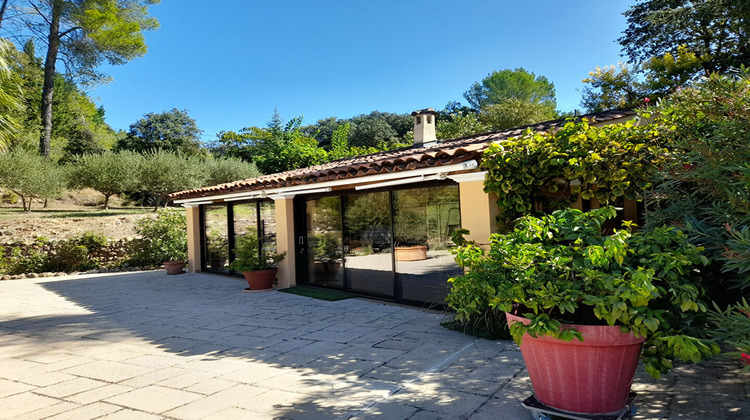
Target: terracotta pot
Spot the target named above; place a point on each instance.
(592, 376)
(174, 267)
(260, 280)
(411, 253)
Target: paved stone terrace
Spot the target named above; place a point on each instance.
(146, 345)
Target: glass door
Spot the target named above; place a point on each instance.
(367, 243)
(324, 242)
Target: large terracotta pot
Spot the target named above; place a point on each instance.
(411, 253)
(174, 267)
(260, 280)
(592, 376)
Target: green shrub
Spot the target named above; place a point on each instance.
(560, 269)
(732, 327)
(75, 254)
(250, 256)
(164, 238)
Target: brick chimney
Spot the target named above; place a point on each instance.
(424, 127)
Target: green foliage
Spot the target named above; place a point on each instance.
(613, 87)
(605, 163)
(517, 84)
(560, 269)
(164, 238)
(732, 327)
(109, 173)
(285, 146)
(459, 125)
(221, 170)
(75, 254)
(10, 92)
(704, 184)
(160, 173)
(250, 255)
(31, 176)
(87, 33)
(172, 131)
(514, 112)
(716, 31)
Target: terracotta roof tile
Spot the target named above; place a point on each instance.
(446, 152)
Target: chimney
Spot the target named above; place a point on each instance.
(424, 127)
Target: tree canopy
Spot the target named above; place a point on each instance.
(84, 34)
(506, 84)
(716, 31)
(173, 131)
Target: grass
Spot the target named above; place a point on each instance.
(329, 295)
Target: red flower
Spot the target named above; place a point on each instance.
(746, 358)
(646, 100)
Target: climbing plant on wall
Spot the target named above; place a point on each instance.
(555, 168)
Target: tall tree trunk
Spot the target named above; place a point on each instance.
(2, 11)
(49, 78)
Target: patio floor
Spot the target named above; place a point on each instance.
(145, 345)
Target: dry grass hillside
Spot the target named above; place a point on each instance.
(70, 215)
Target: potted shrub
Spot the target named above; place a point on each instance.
(326, 249)
(218, 250)
(257, 265)
(164, 240)
(583, 305)
(410, 228)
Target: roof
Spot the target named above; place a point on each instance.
(445, 152)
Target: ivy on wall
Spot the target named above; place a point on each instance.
(555, 168)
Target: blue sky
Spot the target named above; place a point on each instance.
(232, 62)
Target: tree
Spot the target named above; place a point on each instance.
(459, 125)
(379, 129)
(612, 87)
(109, 173)
(716, 31)
(160, 173)
(172, 131)
(84, 33)
(518, 84)
(514, 112)
(31, 176)
(10, 90)
(221, 170)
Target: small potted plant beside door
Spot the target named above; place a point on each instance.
(163, 240)
(583, 305)
(257, 265)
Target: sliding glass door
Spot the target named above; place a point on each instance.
(392, 244)
(367, 243)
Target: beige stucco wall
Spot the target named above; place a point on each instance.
(478, 212)
(194, 238)
(285, 241)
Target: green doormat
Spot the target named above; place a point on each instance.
(328, 295)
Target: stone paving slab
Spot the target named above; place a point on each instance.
(150, 346)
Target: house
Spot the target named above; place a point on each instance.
(378, 225)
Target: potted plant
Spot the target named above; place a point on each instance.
(164, 240)
(410, 228)
(583, 305)
(218, 250)
(257, 265)
(326, 247)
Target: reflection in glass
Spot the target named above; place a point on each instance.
(245, 220)
(216, 234)
(324, 242)
(424, 219)
(367, 243)
(268, 225)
